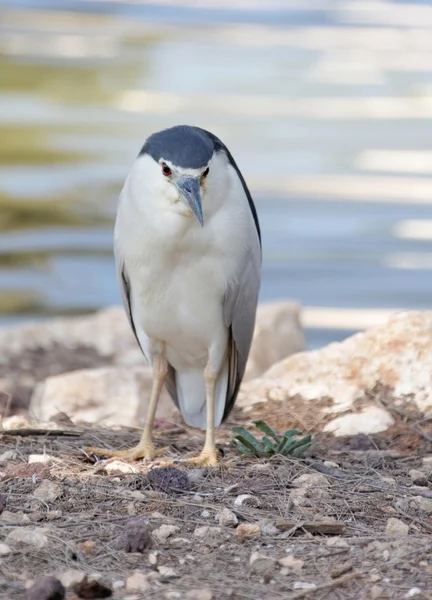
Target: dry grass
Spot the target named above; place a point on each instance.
(95, 506)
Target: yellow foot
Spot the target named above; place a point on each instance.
(147, 451)
(207, 458)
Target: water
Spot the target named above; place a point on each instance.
(298, 94)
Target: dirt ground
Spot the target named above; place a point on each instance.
(325, 535)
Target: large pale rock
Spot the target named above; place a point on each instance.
(335, 387)
(112, 396)
(32, 352)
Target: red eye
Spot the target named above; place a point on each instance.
(166, 170)
(206, 172)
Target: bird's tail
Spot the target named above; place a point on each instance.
(191, 395)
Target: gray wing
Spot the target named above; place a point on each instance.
(240, 305)
(140, 336)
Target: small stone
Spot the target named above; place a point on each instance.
(4, 549)
(267, 527)
(153, 558)
(205, 530)
(424, 504)
(389, 480)
(136, 495)
(179, 542)
(119, 467)
(260, 563)
(248, 530)
(415, 591)
(167, 572)
(90, 588)
(23, 535)
(162, 533)
(172, 595)
(135, 537)
(311, 480)
(48, 491)
(303, 585)
(15, 422)
(8, 516)
(71, 577)
(87, 547)
(46, 588)
(138, 581)
(396, 527)
(8, 456)
(227, 518)
(197, 475)
(168, 479)
(199, 594)
(39, 458)
(330, 464)
(205, 514)
(374, 576)
(376, 592)
(418, 477)
(427, 461)
(118, 584)
(291, 563)
(337, 542)
(247, 500)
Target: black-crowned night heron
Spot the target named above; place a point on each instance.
(188, 253)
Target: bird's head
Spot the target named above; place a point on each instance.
(176, 169)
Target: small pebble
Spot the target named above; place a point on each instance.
(138, 581)
(46, 588)
(199, 594)
(247, 530)
(48, 491)
(119, 467)
(415, 591)
(227, 518)
(162, 533)
(23, 535)
(303, 585)
(167, 572)
(396, 527)
(246, 500)
(261, 563)
(39, 458)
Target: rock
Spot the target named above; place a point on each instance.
(303, 585)
(117, 467)
(71, 577)
(162, 533)
(48, 491)
(153, 558)
(25, 535)
(413, 592)
(91, 587)
(245, 530)
(179, 542)
(278, 334)
(312, 480)
(3, 503)
(418, 477)
(167, 572)
(260, 563)
(227, 518)
(112, 396)
(15, 422)
(309, 488)
(39, 458)
(396, 527)
(46, 588)
(340, 383)
(337, 542)
(8, 456)
(210, 536)
(138, 581)
(415, 503)
(290, 563)
(135, 537)
(199, 594)
(8, 516)
(376, 592)
(87, 547)
(4, 549)
(247, 500)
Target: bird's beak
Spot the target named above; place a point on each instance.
(190, 193)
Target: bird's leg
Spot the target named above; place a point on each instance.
(208, 456)
(145, 448)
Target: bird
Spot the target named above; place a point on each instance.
(187, 246)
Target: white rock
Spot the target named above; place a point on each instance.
(415, 591)
(15, 422)
(227, 518)
(24, 535)
(396, 527)
(40, 458)
(48, 491)
(205, 530)
(247, 530)
(118, 584)
(303, 585)
(8, 516)
(167, 572)
(111, 395)
(5, 549)
(260, 563)
(153, 558)
(311, 480)
(179, 542)
(291, 563)
(119, 466)
(138, 581)
(71, 577)
(162, 533)
(205, 514)
(199, 594)
(247, 500)
(330, 464)
(335, 382)
(337, 542)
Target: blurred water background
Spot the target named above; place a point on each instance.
(325, 104)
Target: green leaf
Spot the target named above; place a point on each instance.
(268, 445)
(248, 440)
(286, 447)
(262, 426)
(301, 446)
(289, 433)
(243, 449)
